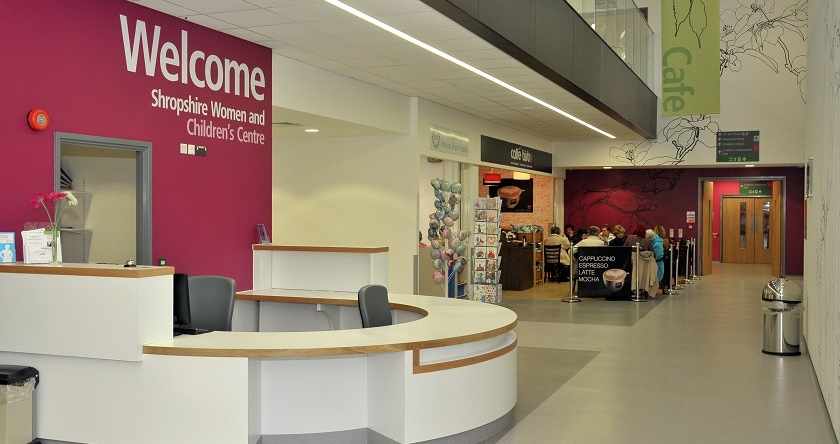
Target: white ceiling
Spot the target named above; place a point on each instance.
(322, 35)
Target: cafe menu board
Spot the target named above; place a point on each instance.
(604, 272)
(486, 246)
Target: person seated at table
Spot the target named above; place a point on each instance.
(666, 258)
(580, 234)
(637, 234)
(619, 236)
(593, 240)
(606, 234)
(558, 238)
(658, 253)
(569, 230)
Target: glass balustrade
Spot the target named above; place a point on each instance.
(624, 29)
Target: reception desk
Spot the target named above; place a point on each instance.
(447, 368)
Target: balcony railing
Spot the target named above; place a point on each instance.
(624, 28)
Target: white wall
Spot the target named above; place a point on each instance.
(359, 191)
(821, 280)
(757, 93)
(303, 87)
(110, 176)
(431, 114)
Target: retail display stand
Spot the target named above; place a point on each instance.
(486, 247)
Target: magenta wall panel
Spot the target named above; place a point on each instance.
(664, 196)
(72, 58)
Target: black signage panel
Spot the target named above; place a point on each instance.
(604, 272)
(737, 146)
(510, 154)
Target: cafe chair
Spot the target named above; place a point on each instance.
(211, 302)
(374, 306)
(552, 262)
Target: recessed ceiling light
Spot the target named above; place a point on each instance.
(460, 63)
(312, 130)
(607, 168)
(749, 165)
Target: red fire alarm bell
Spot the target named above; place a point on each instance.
(38, 119)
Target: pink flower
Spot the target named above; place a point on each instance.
(54, 196)
(57, 198)
(37, 199)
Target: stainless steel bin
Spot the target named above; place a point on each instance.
(16, 386)
(782, 307)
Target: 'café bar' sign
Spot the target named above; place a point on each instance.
(510, 154)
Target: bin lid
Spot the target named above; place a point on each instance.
(782, 290)
(16, 374)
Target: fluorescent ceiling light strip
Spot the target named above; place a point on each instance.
(460, 63)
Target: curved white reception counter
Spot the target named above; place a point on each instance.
(300, 370)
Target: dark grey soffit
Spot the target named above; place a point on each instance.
(549, 37)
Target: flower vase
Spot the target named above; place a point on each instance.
(56, 245)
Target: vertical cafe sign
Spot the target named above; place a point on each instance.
(218, 97)
(690, 57)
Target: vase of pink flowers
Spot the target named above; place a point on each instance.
(58, 200)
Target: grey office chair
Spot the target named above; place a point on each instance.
(374, 306)
(211, 302)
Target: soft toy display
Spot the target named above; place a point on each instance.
(448, 244)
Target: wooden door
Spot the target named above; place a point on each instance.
(706, 235)
(776, 230)
(747, 223)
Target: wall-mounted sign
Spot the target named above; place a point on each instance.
(690, 58)
(690, 217)
(517, 195)
(449, 141)
(737, 146)
(756, 188)
(510, 154)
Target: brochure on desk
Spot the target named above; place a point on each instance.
(486, 274)
(7, 247)
(37, 246)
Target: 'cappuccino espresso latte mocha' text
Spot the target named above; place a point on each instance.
(588, 265)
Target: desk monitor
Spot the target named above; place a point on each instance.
(181, 316)
(181, 300)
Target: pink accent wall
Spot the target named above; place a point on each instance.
(67, 57)
(721, 187)
(663, 196)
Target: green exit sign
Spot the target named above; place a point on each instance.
(756, 188)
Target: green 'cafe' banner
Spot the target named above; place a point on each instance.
(690, 57)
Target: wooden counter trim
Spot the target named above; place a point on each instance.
(438, 366)
(366, 250)
(322, 351)
(270, 352)
(74, 270)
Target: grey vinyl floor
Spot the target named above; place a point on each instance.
(685, 368)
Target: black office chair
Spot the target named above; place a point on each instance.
(374, 306)
(211, 302)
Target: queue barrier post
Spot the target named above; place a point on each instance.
(688, 251)
(572, 296)
(671, 270)
(677, 285)
(694, 275)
